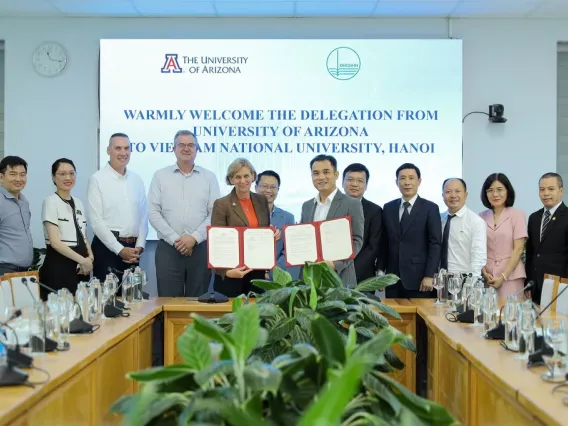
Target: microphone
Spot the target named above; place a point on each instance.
(498, 332)
(49, 344)
(77, 325)
(15, 356)
(212, 296)
(10, 375)
(536, 358)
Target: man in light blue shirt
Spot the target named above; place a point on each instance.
(180, 201)
(16, 246)
(268, 184)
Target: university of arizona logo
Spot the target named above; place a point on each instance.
(171, 64)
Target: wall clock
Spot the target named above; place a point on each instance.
(49, 59)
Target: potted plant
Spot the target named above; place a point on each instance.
(329, 373)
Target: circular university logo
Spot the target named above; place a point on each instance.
(343, 63)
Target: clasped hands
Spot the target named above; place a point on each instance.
(243, 270)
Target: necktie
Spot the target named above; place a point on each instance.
(445, 243)
(545, 223)
(405, 215)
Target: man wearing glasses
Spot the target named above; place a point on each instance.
(268, 184)
(355, 179)
(180, 201)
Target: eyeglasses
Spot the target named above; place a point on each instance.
(269, 187)
(496, 191)
(65, 174)
(357, 181)
(183, 146)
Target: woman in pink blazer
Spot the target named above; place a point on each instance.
(506, 235)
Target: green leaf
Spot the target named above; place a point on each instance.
(262, 338)
(389, 310)
(194, 348)
(328, 407)
(374, 316)
(281, 329)
(219, 368)
(408, 344)
(393, 359)
(376, 387)
(337, 294)
(312, 273)
(148, 405)
(122, 405)
(268, 310)
(305, 350)
(237, 303)
(291, 303)
(313, 298)
(281, 277)
(330, 278)
(261, 377)
(208, 328)
(329, 304)
(377, 283)
(245, 331)
(369, 353)
(266, 284)
(276, 296)
(351, 341)
(298, 335)
(159, 374)
(328, 340)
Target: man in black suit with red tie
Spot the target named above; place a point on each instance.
(355, 179)
(413, 238)
(547, 244)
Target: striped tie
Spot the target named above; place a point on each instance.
(545, 223)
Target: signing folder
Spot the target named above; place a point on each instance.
(232, 247)
(318, 241)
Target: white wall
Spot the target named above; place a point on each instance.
(512, 62)
(1, 102)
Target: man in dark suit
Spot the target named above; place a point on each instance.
(547, 244)
(413, 238)
(355, 179)
(330, 203)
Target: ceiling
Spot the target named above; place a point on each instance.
(287, 8)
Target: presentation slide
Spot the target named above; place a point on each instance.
(279, 103)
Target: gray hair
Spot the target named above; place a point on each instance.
(184, 133)
(237, 165)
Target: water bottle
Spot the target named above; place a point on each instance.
(137, 285)
(82, 298)
(127, 290)
(443, 275)
(111, 288)
(95, 301)
(37, 329)
(466, 290)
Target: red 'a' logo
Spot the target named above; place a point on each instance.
(171, 64)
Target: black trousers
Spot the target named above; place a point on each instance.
(233, 287)
(179, 275)
(397, 291)
(104, 259)
(6, 268)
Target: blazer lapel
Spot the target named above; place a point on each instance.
(413, 213)
(505, 215)
(560, 211)
(237, 209)
(261, 213)
(337, 200)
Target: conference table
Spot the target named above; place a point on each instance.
(477, 380)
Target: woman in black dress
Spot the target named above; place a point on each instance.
(69, 258)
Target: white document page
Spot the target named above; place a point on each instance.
(336, 240)
(300, 244)
(223, 247)
(259, 248)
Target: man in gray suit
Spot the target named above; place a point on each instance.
(331, 203)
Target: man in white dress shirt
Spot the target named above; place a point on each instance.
(464, 239)
(117, 211)
(180, 201)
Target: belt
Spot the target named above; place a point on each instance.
(15, 268)
(128, 240)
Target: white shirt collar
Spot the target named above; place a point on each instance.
(175, 168)
(115, 173)
(329, 198)
(411, 201)
(553, 209)
(460, 213)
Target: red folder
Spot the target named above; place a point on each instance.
(317, 226)
(241, 231)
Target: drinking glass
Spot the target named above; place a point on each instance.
(555, 337)
(511, 317)
(454, 287)
(438, 283)
(490, 310)
(527, 325)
